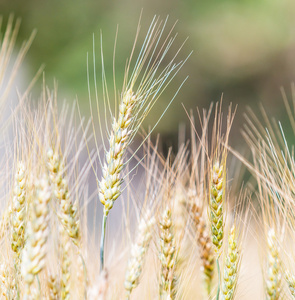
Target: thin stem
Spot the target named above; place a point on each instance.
(218, 287)
(39, 285)
(102, 240)
(85, 276)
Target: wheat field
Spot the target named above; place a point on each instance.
(86, 215)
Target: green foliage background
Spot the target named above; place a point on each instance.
(243, 49)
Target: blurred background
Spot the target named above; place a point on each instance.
(241, 49)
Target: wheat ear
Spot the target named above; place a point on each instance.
(53, 288)
(205, 246)
(216, 205)
(273, 278)
(167, 257)
(109, 186)
(231, 267)
(138, 251)
(18, 213)
(290, 278)
(34, 252)
(68, 211)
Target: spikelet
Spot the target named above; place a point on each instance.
(231, 267)
(33, 259)
(168, 257)
(18, 212)
(7, 282)
(53, 288)
(216, 205)
(205, 246)
(290, 278)
(138, 251)
(68, 210)
(109, 186)
(273, 276)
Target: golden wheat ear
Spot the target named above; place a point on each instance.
(145, 79)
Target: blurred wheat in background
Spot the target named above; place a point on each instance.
(97, 208)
